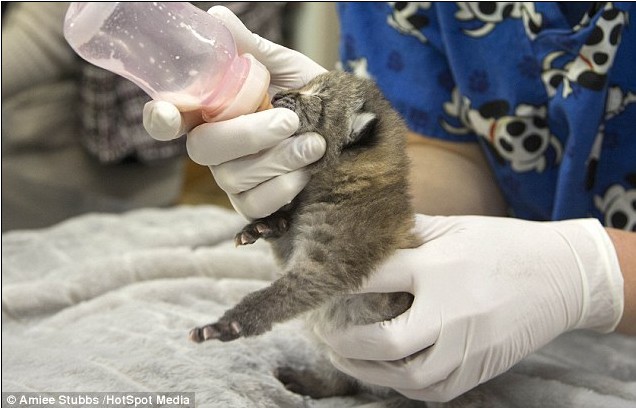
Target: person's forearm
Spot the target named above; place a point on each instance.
(625, 245)
(451, 179)
(454, 179)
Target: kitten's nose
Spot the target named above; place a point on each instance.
(277, 97)
(282, 100)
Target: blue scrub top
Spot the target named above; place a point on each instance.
(547, 89)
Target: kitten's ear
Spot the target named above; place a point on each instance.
(362, 129)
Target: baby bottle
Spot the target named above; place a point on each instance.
(174, 51)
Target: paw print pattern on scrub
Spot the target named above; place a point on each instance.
(546, 88)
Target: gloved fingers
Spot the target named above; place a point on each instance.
(219, 142)
(430, 227)
(433, 367)
(383, 373)
(268, 197)
(288, 68)
(394, 275)
(246, 41)
(440, 392)
(450, 385)
(407, 376)
(163, 121)
(435, 373)
(291, 154)
(414, 330)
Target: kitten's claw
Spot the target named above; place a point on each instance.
(283, 226)
(270, 227)
(195, 335)
(262, 229)
(252, 233)
(223, 331)
(244, 238)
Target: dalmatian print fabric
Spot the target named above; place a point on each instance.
(548, 90)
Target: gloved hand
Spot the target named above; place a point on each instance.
(251, 157)
(488, 292)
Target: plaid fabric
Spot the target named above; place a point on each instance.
(111, 114)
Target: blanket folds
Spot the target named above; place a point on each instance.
(105, 303)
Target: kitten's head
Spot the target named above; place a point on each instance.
(334, 105)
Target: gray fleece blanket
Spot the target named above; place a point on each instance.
(105, 302)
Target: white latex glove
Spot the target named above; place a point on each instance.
(251, 157)
(488, 292)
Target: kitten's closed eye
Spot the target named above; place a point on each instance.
(277, 97)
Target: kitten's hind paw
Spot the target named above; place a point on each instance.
(292, 380)
(223, 331)
(306, 382)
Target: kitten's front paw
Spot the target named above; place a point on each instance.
(246, 237)
(270, 227)
(222, 330)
